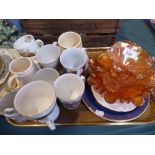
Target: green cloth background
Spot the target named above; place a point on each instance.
(136, 30)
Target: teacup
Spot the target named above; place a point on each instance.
(46, 74)
(35, 101)
(23, 69)
(27, 45)
(69, 89)
(68, 40)
(48, 56)
(74, 60)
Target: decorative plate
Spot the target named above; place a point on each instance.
(108, 114)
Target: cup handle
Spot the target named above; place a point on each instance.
(14, 115)
(79, 72)
(10, 113)
(87, 58)
(51, 124)
(10, 81)
(83, 78)
(36, 63)
(39, 43)
(55, 43)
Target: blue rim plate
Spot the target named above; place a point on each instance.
(111, 115)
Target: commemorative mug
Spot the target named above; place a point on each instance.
(69, 89)
(27, 46)
(74, 60)
(35, 101)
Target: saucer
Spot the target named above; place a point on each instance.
(7, 60)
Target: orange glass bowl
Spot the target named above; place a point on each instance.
(124, 72)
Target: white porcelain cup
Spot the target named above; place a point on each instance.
(69, 89)
(48, 55)
(35, 101)
(46, 74)
(74, 60)
(69, 39)
(27, 45)
(22, 69)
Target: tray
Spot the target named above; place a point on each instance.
(82, 116)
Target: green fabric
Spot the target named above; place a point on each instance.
(138, 31)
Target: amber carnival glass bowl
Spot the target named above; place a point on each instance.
(124, 72)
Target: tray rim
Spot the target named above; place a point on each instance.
(110, 123)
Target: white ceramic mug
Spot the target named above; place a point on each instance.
(48, 55)
(23, 69)
(69, 39)
(46, 74)
(69, 89)
(74, 60)
(35, 101)
(27, 45)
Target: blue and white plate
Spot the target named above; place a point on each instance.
(108, 114)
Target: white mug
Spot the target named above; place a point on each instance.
(69, 40)
(27, 45)
(69, 89)
(48, 55)
(74, 60)
(46, 74)
(23, 69)
(35, 101)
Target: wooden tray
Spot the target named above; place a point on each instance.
(82, 116)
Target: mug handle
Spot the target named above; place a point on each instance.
(11, 113)
(78, 72)
(55, 43)
(39, 43)
(51, 124)
(36, 63)
(83, 78)
(10, 81)
(87, 58)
